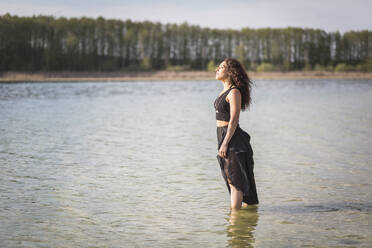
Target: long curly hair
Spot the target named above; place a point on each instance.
(238, 76)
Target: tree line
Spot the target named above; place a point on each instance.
(46, 43)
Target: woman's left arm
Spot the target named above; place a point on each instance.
(234, 98)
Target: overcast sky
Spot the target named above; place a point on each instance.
(329, 15)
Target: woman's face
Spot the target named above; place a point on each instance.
(221, 71)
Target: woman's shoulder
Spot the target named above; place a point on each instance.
(235, 89)
(234, 92)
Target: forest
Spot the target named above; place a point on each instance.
(46, 43)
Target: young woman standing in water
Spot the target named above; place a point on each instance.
(235, 154)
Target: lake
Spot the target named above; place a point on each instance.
(133, 164)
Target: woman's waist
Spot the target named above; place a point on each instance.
(221, 123)
(226, 126)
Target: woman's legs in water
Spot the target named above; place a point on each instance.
(235, 194)
(236, 197)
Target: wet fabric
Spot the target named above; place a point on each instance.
(237, 167)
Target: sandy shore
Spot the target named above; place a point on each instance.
(167, 75)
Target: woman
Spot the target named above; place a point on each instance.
(235, 154)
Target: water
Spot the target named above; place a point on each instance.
(133, 164)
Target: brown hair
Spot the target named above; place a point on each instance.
(238, 76)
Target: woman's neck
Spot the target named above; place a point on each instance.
(226, 84)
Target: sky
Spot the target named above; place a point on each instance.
(328, 15)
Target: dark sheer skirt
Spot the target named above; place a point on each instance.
(237, 167)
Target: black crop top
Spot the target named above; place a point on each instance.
(222, 107)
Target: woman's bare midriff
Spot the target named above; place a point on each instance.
(222, 123)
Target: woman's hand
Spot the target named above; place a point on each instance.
(222, 152)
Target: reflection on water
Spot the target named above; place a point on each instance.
(134, 164)
(242, 224)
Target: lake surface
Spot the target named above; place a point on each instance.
(133, 164)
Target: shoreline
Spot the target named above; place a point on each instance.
(168, 75)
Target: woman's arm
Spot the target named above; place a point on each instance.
(234, 98)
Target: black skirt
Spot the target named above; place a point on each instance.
(237, 167)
